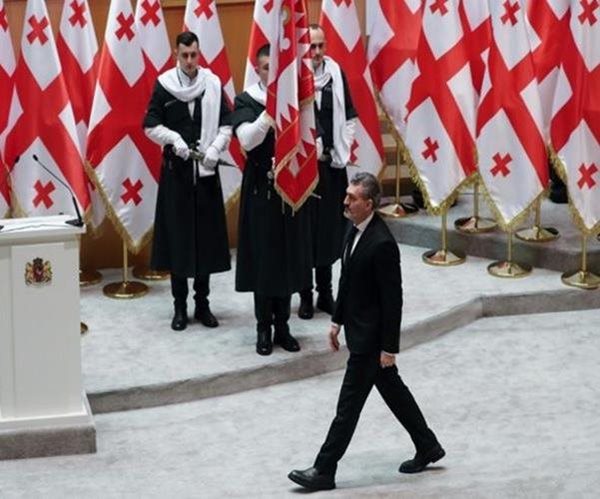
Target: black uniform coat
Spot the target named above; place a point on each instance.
(369, 302)
(190, 232)
(328, 220)
(274, 256)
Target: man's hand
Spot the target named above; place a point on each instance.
(211, 158)
(334, 332)
(387, 360)
(181, 149)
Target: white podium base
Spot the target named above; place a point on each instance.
(48, 436)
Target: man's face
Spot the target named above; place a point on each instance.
(187, 57)
(318, 45)
(356, 206)
(262, 69)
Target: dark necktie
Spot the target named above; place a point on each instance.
(350, 243)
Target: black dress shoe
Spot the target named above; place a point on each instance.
(325, 303)
(206, 317)
(421, 460)
(286, 341)
(306, 309)
(312, 479)
(264, 345)
(180, 319)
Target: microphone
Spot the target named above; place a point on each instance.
(78, 222)
(8, 176)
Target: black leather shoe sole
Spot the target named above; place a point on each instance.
(311, 484)
(288, 344)
(207, 319)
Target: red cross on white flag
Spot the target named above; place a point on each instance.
(122, 160)
(78, 53)
(339, 20)
(394, 28)
(41, 123)
(202, 18)
(260, 34)
(575, 126)
(440, 129)
(513, 162)
(7, 69)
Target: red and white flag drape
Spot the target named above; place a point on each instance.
(290, 102)
(394, 28)
(344, 44)
(550, 22)
(575, 127)
(41, 123)
(440, 129)
(78, 53)
(7, 69)
(119, 153)
(512, 153)
(261, 31)
(202, 18)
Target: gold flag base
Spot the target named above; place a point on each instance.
(443, 258)
(398, 210)
(581, 279)
(147, 274)
(537, 234)
(83, 328)
(475, 225)
(508, 270)
(125, 290)
(89, 278)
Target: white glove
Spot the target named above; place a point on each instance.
(181, 149)
(211, 157)
(319, 148)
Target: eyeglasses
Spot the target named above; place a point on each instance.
(315, 46)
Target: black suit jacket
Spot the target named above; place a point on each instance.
(369, 301)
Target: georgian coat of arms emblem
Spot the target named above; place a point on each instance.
(38, 272)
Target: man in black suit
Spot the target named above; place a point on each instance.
(369, 307)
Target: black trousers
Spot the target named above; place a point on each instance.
(272, 311)
(322, 281)
(362, 372)
(179, 290)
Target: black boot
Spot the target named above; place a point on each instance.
(180, 319)
(282, 336)
(306, 309)
(325, 300)
(263, 311)
(202, 311)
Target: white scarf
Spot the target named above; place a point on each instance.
(330, 70)
(206, 82)
(258, 92)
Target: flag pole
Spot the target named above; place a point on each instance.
(475, 224)
(582, 278)
(443, 257)
(509, 269)
(125, 289)
(537, 233)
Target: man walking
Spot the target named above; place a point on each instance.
(187, 111)
(369, 307)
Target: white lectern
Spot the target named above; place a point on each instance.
(43, 408)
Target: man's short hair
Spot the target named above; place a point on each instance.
(370, 186)
(186, 38)
(263, 51)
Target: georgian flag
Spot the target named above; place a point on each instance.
(202, 18)
(512, 153)
(344, 44)
(440, 129)
(121, 159)
(575, 127)
(261, 31)
(290, 102)
(7, 69)
(394, 28)
(78, 53)
(550, 22)
(41, 123)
